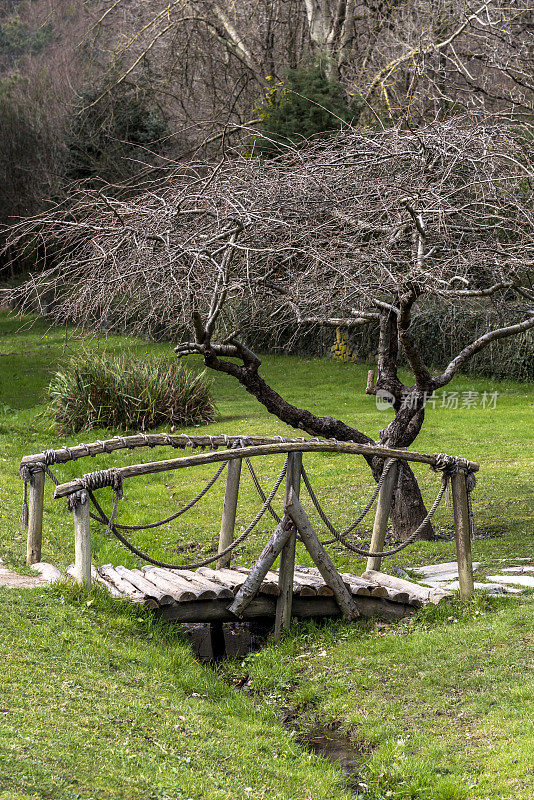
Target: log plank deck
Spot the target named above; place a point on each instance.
(204, 595)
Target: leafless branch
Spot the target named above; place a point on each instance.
(479, 344)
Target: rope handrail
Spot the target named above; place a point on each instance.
(259, 489)
(97, 480)
(113, 527)
(101, 478)
(176, 514)
(41, 461)
(341, 537)
(240, 447)
(180, 511)
(362, 514)
(184, 441)
(112, 477)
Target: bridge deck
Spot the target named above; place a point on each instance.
(205, 594)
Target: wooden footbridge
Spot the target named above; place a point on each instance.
(194, 592)
(207, 595)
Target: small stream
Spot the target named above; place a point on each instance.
(338, 749)
(237, 640)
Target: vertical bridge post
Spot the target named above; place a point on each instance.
(82, 541)
(287, 556)
(385, 496)
(35, 517)
(462, 533)
(226, 536)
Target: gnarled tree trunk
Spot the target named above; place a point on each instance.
(408, 508)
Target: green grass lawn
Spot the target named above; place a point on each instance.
(101, 702)
(98, 701)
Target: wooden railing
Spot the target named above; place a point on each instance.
(34, 468)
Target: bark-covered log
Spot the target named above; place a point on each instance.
(255, 578)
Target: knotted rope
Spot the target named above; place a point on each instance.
(95, 480)
(101, 478)
(76, 499)
(26, 473)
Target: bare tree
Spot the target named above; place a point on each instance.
(366, 229)
(208, 61)
(441, 56)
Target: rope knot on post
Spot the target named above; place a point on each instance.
(445, 463)
(26, 473)
(49, 457)
(101, 478)
(76, 499)
(450, 465)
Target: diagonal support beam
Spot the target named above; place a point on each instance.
(286, 572)
(262, 566)
(321, 557)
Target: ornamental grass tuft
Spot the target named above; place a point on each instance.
(128, 393)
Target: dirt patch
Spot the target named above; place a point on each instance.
(12, 580)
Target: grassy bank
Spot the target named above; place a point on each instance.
(101, 702)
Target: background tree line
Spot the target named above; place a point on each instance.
(99, 90)
(88, 89)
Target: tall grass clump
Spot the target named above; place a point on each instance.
(125, 392)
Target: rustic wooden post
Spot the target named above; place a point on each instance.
(462, 534)
(268, 556)
(327, 569)
(82, 541)
(381, 517)
(287, 556)
(226, 536)
(35, 517)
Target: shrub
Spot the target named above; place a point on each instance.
(105, 391)
(306, 103)
(17, 39)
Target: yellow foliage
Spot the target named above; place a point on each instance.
(341, 349)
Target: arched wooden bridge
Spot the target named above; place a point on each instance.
(197, 592)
